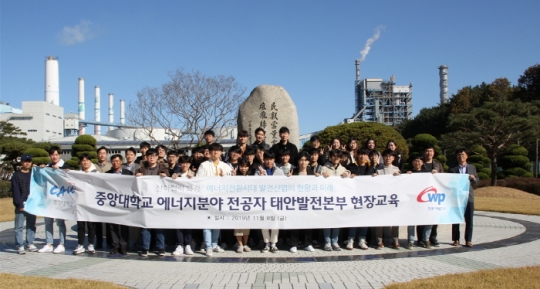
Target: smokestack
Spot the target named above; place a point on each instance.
(122, 111)
(111, 111)
(443, 84)
(97, 117)
(52, 87)
(357, 64)
(81, 104)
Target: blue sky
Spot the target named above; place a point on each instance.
(308, 47)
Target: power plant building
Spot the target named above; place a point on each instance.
(381, 101)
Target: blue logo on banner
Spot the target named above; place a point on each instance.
(59, 192)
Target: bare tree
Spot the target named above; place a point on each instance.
(187, 106)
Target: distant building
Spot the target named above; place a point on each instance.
(40, 120)
(382, 101)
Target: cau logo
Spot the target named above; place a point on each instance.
(430, 195)
(61, 191)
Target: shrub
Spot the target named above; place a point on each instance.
(86, 139)
(5, 189)
(39, 155)
(529, 185)
(84, 144)
(483, 176)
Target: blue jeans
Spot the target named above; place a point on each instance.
(49, 230)
(146, 236)
(211, 237)
(410, 234)
(331, 235)
(20, 216)
(363, 233)
(426, 235)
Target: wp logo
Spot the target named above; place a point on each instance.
(61, 191)
(430, 195)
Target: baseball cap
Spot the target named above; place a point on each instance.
(26, 158)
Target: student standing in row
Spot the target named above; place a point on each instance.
(213, 167)
(56, 163)
(85, 163)
(151, 167)
(119, 233)
(20, 187)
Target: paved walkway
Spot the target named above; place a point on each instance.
(501, 240)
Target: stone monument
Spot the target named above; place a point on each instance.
(269, 107)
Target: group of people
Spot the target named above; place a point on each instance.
(242, 159)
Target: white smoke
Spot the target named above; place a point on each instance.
(370, 41)
(79, 33)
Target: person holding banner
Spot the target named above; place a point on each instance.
(20, 187)
(269, 168)
(464, 168)
(130, 163)
(333, 169)
(152, 168)
(85, 162)
(213, 167)
(433, 166)
(56, 163)
(302, 170)
(119, 233)
(358, 168)
(242, 235)
(388, 169)
(425, 232)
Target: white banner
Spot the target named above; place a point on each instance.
(265, 202)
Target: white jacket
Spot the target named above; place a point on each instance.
(208, 169)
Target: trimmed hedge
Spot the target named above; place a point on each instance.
(5, 189)
(86, 139)
(529, 185)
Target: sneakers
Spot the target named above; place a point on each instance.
(266, 249)
(350, 244)
(247, 248)
(274, 249)
(293, 250)
(21, 250)
(47, 248)
(91, 249)
(218, 249)
(335, 247)
(144, 253)
(161, 252)
(240, 249)
(455, 243)
(410, 245)
(380, 245)
(188, 250)
(328, 247)
(362, 244)
(78, 250)
(179, 251)
(60, 249)
(209, 252)
(395, 245)
(31, 248)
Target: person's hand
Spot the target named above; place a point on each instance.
(162, 175)
(433, 171)
(321, 151)
(21, 209)
(262, 172)
(174, 176)
(289, 173)
(55, 167)
(409, 172)
(345, 174)
(233, 173)
(343, 148)
(189, 176)
(221, 173)
(396, 174)
(353, 175)
(325, 174)
(42, 165)
(472, 178)
(374, 175)
(138, 174)
(317, 175)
